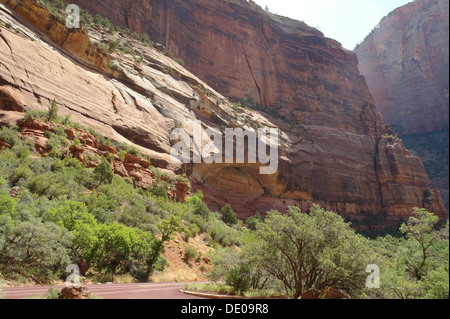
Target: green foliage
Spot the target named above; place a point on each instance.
(118, 246)
(124, 148)
(189, 254)
(200, 208)
(316, 248)
(52, 293)
(52, 114)
(56, 7)
(57, 143)
(103, 22)
(301, 251)
(114, 66)
(239, 278)
(88, 213)
(85, 17)
(114, 45)
(167, 227)
(176, 59)
(35, 249)
(10, 135)
(71, 215)
(7, 204)
(436, 284)
(416, 266)
(34, 114)
(228, 215)
(103, 172)
(422, 240)
(252, 222)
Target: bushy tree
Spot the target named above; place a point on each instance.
(420, 261)
(228, 215)
(252, 222)
(103, 172)
(52, 114)
(117, 246)
(168, 228)
(74, 217)
(422, 238)
(70, 215)
(198, 206)
(310, 250)
(36, 249)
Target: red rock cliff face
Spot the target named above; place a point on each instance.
(242, 51)
(334, 150)
(406, 64)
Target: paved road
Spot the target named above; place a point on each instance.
(111, 291)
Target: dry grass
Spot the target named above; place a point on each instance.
(116, 279)
(178, 269)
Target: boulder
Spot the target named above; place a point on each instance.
(310, 294)
(74, 293)
(333, 293)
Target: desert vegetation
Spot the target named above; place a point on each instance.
(54, 211)
(288, 254)
(57, 8)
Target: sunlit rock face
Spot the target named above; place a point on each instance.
(406, 64)
(333, 148)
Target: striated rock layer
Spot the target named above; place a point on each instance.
(334, 150)
(406, 65)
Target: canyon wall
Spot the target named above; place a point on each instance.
(406, 65)
(334, 149)
(405, 61)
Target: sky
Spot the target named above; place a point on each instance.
(347, 21)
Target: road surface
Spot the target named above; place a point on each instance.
(111, 291)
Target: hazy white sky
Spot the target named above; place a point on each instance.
(347, 21)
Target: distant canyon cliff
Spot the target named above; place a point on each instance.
(334, 149)
(405, 61)
(406, 65)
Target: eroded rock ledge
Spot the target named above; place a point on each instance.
(334, 149)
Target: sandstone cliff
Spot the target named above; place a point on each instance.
(334, 149)
(406, 64)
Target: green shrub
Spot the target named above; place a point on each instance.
(189, 254)
(122, 154)
(229, 217)
(34, 114)
(52, 293)
(10, 135)
(252, 222)
(103, 172)
(64, 211)
(114, 66)
(239, 278)
(57, 143)
(52, 114)
(37, 249)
